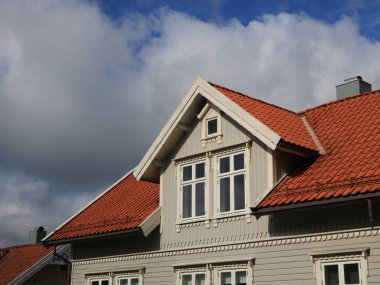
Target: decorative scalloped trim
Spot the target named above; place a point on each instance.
(236, 246)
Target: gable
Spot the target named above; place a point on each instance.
(195, 142)
(179, 123)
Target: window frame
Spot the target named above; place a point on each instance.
(341, 275)
(231, 174)
(192, 274)
(233, 275)
(129, 277)
(340, 256)
(193, 182)
(99, 279)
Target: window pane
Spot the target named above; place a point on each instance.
(186, 201)
(200, 279)
(95, 282)
(124, 282)
(200, 170)
(239, 161)
(104, 282)
(200, 199)
(134, 281)
(331, 274)
(212, 126)
(187, 173)
(239, 192)
(186, 279)
(225, 278)
(351, 273)
(241, 277)
(224, 194)
(224, 165)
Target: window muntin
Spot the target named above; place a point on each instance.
(231, 183)
(233, 277)
(341, 273)
(129, 280)
(100, 282)
(193, 188)
(194, 278)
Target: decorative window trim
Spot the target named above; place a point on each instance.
(114, 277)
(207, 114)
(339, 257)
(212, 268)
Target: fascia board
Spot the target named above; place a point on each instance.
(37, 266)
(246, 120)
(87, 205)
(151, 222)
(241, 116)
(166, 131)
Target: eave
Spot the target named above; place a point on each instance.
(258, 212)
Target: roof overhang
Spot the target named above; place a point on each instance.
(145, 228)
(258, 212)
(171, 133)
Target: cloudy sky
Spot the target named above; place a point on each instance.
(85, 86)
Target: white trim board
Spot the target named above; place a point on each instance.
(238, 114)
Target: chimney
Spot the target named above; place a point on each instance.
(352, 86)
(36, 235)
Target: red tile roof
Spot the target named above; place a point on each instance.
(124, 207)
(16, 260)
(349, 131)
(285, 123)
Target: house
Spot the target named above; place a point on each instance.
(238, 191)
(33, 264)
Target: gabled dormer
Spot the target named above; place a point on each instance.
(215, 158)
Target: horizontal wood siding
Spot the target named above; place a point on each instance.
(232, 134)
(282, 265)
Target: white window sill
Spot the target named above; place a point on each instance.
(193, 223)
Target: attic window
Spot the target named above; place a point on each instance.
(211, 125)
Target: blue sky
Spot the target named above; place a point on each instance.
(86, 85)
(365, 12)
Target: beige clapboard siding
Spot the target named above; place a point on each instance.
(227, 229)
(232, 134)
(284, 264)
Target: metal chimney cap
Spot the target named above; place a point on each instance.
(354, 78)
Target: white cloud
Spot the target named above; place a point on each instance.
(82, 97)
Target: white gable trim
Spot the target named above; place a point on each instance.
(242, 117)
(151, 222)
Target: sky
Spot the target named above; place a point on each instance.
(86, 85)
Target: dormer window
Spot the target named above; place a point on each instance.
(211, 125)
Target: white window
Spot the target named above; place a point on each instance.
(193, 278)
(341, 273)
(135, 280)
(231, 183)
(212, 126)
(341, 266)
(233, 277)
(100, 281)
(193, 188)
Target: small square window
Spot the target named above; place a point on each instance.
(212, 126)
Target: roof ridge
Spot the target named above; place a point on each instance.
(259, 100)
(338, 101)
